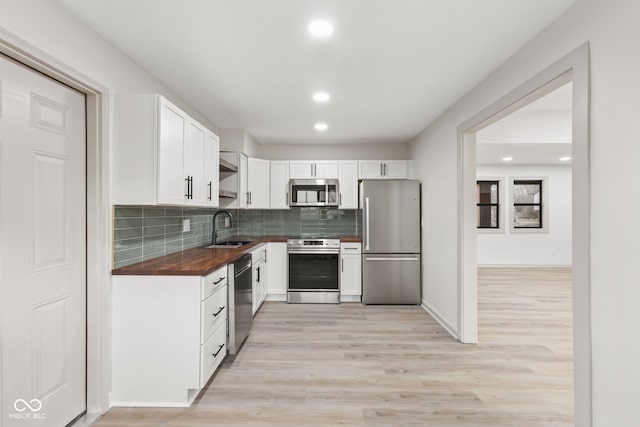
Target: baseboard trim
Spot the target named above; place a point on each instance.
(276, 297)
(439, 318)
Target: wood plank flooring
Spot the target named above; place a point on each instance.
(351, 365)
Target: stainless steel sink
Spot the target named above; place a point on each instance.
(230, 244)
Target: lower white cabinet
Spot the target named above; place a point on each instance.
(169, 336)
(260, 277)
(350, 271)
(277, 260)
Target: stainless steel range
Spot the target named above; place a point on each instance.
(313, 271)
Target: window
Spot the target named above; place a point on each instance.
(488, 203)
(527, 203)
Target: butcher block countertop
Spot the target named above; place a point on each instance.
(198, 261)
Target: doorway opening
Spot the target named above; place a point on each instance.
(523, 164)
(573, 67)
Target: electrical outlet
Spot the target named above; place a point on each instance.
(186, 225)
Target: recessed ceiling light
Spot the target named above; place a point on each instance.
(320, 28)
(565, 159)
(321, 96)
(507, 159)
(321, 126)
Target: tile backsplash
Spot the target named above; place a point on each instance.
(141, 233)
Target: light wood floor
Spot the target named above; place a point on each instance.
(395, 366)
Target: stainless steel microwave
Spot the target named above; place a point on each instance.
(313, 192)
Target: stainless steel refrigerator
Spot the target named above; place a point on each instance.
(390, 241)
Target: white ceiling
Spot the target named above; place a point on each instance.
(391, 67)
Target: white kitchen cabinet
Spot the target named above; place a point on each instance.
(212, 169)
(348, 178)
(383, 169)
(168, 335)
(260, 276)
(277, 261)
(350, 271)
(279, 184)
(313, 169)
(234, 191)
(258, 184)
(160, 154)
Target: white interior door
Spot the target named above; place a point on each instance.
(42, 249)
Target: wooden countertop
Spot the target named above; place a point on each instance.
(198, 261)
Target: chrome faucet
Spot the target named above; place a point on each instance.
(214, 234)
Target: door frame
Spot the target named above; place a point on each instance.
(99, 213)
(572, 67)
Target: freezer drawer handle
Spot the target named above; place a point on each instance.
(391, 259)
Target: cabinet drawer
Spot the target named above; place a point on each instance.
(212, 352)
(214, 281)
(350, 248)
(213, 312)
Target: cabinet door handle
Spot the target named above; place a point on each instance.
(342, 264)
(258, 271)
(381, 170)
(340, 199)
(188, 181)
(190, 187)
(385, 169)
(210, 185)
(220, 347)
(219, 280)
(219, 311)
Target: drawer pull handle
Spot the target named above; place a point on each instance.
(219, 350)
(219, 280)
(219, 311)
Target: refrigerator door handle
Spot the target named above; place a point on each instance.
(391, 259)
(366, 223)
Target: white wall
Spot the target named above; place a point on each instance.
(612, 30)
(350, 151)
(551, 247)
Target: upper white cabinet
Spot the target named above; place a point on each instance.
(234, 179)
(279, 184)
(211, 169)
(383, 169)
(161, 154)
(258, 184)
(348, 170)
(308, 169)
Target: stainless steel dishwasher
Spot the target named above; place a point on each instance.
(240, 302)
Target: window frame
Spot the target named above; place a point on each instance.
(501, 206)
(544, 204)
